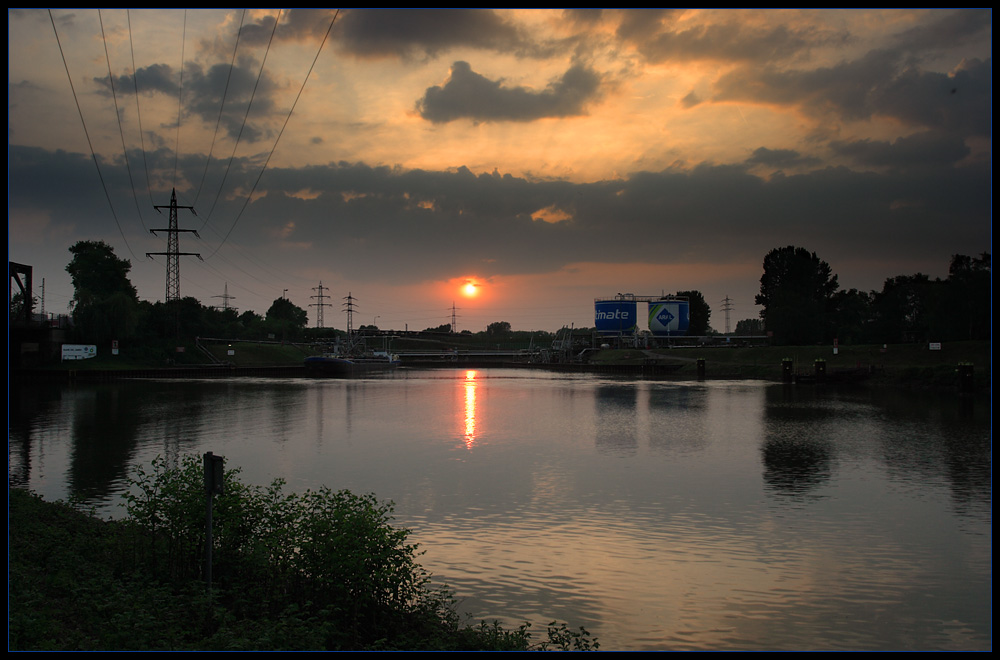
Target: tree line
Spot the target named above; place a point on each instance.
(803, 303)
(801, 299)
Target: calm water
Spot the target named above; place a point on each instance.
(657, 514)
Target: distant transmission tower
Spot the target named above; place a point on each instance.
(727, 305)
(173, 254)
(321, 304)
(349, 308)
(226, 298)
(454, 322)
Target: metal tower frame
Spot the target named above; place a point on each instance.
(173, 252)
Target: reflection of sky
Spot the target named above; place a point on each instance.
(673, 540)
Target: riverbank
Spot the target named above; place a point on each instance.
(78, 583)
(904, 365)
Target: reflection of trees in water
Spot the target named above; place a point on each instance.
(795, 466)
(678, 419)
(940, 436)
(26, 403)
(616, 419)
(796, 453)
(105, 426)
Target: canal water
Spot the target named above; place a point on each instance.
(657, 514)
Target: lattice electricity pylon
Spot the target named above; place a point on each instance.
(173, 254)
(320, 305)
(349, 308)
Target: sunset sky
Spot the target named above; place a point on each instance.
(547, 156)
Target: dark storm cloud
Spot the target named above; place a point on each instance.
(203, 92)
(410, 32)
(922, 150)
(960, 102)
(954, 29)
(781, 158)
(469, 95)
(152, 78)
(295, 25)
(639, 24)
(876, 84)
(846, 88)
(388, 224)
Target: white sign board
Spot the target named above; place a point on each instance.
(935, 346)
(78, 351)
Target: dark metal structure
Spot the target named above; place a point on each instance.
(173, 253)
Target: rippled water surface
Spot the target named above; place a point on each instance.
(657, 514)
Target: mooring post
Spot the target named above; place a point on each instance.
(787, 374)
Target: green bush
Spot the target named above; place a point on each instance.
(325, 552)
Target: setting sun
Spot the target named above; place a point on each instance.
(470, 289)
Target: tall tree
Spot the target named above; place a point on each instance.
(969, 301)
(796, 291)
(105, 304)
(699, 313)
(286, 318)
(498, 329)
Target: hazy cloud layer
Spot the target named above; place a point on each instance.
(469, 95)
(385, 223)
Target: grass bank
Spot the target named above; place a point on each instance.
(323, 570)
(903, 365)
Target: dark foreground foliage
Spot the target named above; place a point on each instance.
(320, 570)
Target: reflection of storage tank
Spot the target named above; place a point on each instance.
(615, 316)
(669, 318)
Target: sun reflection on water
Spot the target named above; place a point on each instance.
(470, 408)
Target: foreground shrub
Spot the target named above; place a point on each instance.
(321, 570)
(325, 551)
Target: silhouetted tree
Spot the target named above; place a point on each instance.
(796, 291)
(969, 308)
(854, 317)
(105, 304)
(750, 327)
(699, 313)
(498, 329)
(285, 318)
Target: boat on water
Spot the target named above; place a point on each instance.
(350, 365)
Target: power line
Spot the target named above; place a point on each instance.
(281, 132)
(239, 135)
(180, 99)
(121, 131)
(218, 122)
(90, 143)
(135, 83)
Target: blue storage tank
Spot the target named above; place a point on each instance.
(669, 318)
(615, 316)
